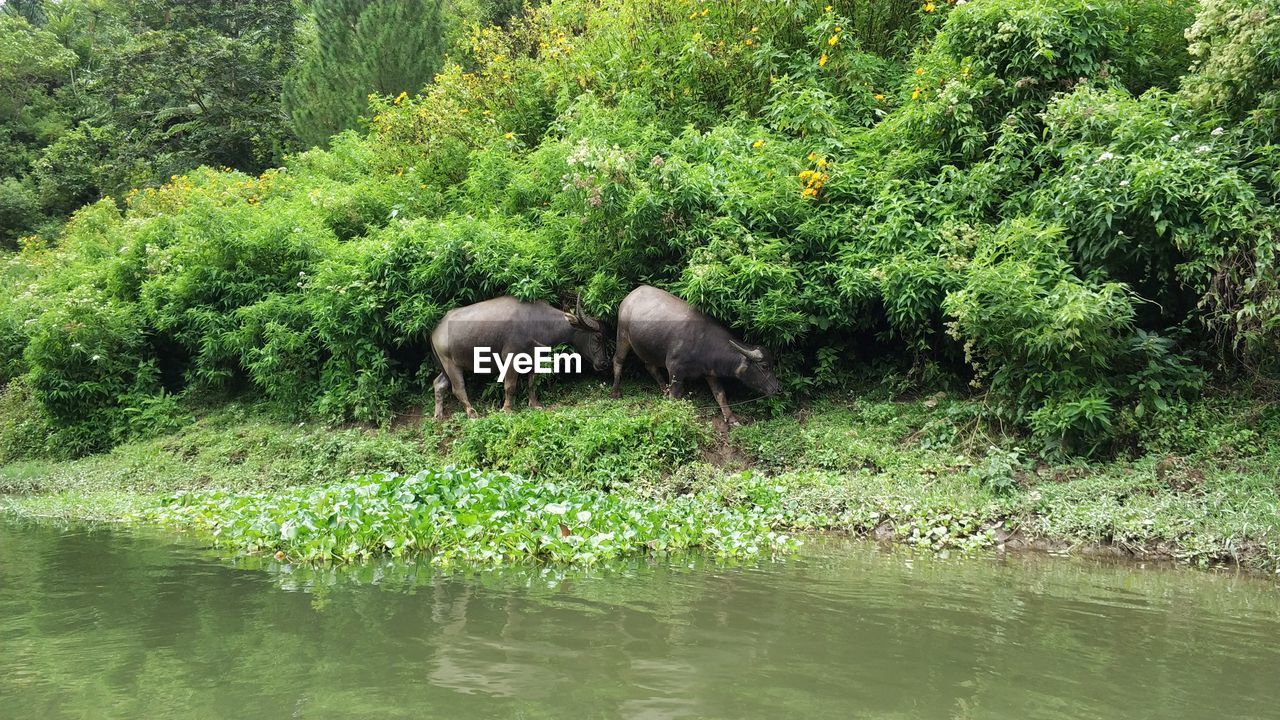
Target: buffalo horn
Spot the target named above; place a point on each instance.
(751, 353)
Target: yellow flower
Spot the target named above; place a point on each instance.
(833, 40)
(755, 29)
(828, 9)
(758, 144)
(919, 71)
(510, 136)
(879, 97)
(400, 98)
(705, 11)
(822, 61)
(813, 156)
(839, 29)
(749, 41)
(928, 7)
(915, 94)
(693, 14)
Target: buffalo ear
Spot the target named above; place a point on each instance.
(750, 353)
(573, 319)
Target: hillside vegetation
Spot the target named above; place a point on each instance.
(1073, 205)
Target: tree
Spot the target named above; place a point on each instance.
(361, 47)
(199, 81)
(32, 66)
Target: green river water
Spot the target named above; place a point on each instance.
(98, 623)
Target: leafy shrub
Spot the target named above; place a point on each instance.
(25, 427)
(19, 211)
(998, 470)
(1035, 191)
(1063, 353)
(598, 444)
(1237, 64)
(87, 356)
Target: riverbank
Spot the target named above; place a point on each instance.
(1202, 488)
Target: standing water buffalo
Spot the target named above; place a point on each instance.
(666, 332)
(508, 328)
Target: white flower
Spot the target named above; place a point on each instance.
(1124, 183)
(584, 516)
(1106, 156)
(1203, 149)
(556, 508)
(1217, 131)
(96, 358)
(1176, 138)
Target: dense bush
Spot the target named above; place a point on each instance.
(1043, 197)
(585, 444)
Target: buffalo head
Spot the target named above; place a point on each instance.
(754, 369)
(588, 337)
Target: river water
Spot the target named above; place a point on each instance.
(99, 623)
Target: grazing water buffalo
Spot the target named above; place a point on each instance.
(505, 330)
(666, 332)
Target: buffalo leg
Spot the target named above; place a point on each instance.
(509, 390)
(533, 391)
(657, 375)
(460, 389)
(718, 390)
(676, 388)
(441, 385)
(619, 358)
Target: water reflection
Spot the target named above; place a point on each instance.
(99, 623)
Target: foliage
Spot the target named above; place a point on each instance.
(1044, 198)
(101, 97)
(199, 83)
(1203, 489)
(588, 445)
(353, 52)
(1237, 53)
(473, 517)
(385, 47)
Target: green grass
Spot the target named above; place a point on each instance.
(1203, 488)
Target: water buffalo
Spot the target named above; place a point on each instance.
(509, 328)
(666, 332)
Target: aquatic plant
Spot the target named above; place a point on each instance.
(468, 516)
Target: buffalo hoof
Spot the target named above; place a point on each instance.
(472, 414)
(615, 394)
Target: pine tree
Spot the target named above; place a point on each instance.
(361, 47)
